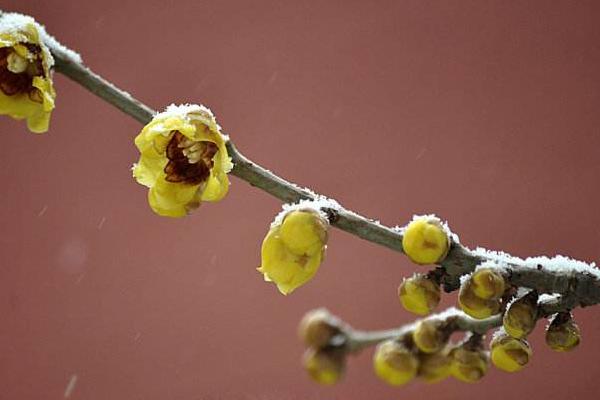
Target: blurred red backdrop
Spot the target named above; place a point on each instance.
(484, 112)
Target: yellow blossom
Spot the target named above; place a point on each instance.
(293, 249)
(563, 334)
(510, 354)
(468, 365)
(434, 367)
(425, 241)
(394, 363)
(419, 294)
(26, 90)
(325, 366)
(183, 160)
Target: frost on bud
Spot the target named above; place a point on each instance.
(521, 316)
(563, 333)
(293, 249)
(394, 363)
(434, 367)
(468, 364)
(509, 354)
(487, 283)
(430, 336)
(324, 366)
(474, 306)
(425, 241)
(318, 327)
(419, 294)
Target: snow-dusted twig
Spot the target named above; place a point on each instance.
(579, 279)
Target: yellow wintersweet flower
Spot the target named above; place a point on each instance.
(394, 363)
(425, 241)
(26, 90)
(293, 249)
(183, 160)
(419, 294)
(509, 354)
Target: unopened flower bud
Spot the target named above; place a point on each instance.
(293, 249)
(419, 294)
(468, 365)
(324, 366)
(318, 327)
(487, 284)
(425, 241)
(474, 306)
(521, 316)
(394, 363)
(430, 336)
(434, 367)
(563, 334)
(509, 354)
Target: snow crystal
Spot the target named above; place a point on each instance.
(319, 204)
(444, 224)
(14, 22)
(557, 264)
(546, 298)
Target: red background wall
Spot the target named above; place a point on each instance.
(484, 112)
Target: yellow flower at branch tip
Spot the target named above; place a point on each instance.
(474, 306)
(521, 316)
(487, 284)
(183, 160)
(510, 354)
(26, 90)
(430, 336)
(563, 334)
(293, 249)
(468, 365)
(434, 367)
(419, 294)
(425, 241)
(324, 366)
(318, 327)
(394, 363)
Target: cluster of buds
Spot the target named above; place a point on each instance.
(425, 353)
(324, 336)
(480, 295)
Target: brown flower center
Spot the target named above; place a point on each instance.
(189, 161)
(17, 73)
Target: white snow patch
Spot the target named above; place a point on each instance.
(558, 264)
(319, 204)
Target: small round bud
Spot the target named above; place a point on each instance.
(304, 231)
(434, 367)
(425, 241)
(419, 294)
(509, 354)
(474, 306)
(468, 365)
(430, 336)
(318, 327)
(394, 363)
(324, 366)
(521, 316)
(563, 334)
(487, 284)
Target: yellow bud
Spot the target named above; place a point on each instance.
(563, 334)
(318, 327)
(304, 231)
(419, 294)
(324, 366)
(434, 367)
(293, 250)
(430, 336)
(394, 363)
(475, 306)
(425, 241)
(521, 316)
(487, 284)
(510, 354)
(468, 365)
